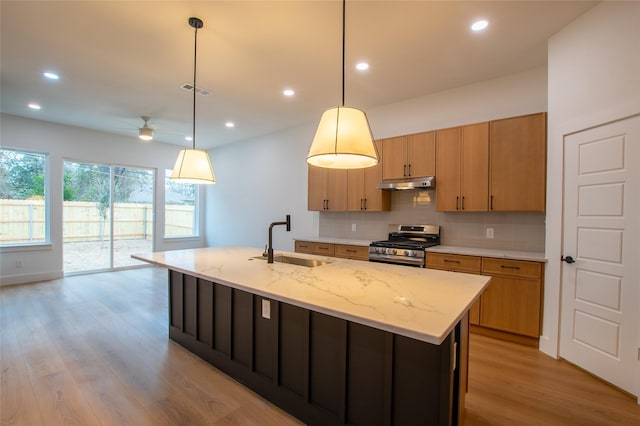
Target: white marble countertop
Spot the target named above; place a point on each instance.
(423, 304)
(500, 254)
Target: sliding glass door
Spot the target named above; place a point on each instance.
(107, 216)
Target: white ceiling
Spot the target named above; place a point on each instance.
(119, 60)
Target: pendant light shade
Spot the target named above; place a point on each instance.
(193, 165)
(343, 139)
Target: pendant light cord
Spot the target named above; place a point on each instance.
(195, 57)
(344, 8)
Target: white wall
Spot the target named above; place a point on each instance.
(261, 180)
(594, 78)
(72, 143)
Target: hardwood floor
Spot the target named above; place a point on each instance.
(94, 350)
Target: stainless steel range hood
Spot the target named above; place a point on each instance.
(428, 182)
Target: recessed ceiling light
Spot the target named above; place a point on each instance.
(34, 106)
(51, 75)
(230, 124)
(480, 25)
(288, 92)
(362, 66)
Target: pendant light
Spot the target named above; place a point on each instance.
(193, 165)
(343, 139)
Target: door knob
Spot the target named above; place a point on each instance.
(567, 259)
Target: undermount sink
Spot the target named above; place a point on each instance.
(300, 261)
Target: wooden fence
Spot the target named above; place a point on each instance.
(23, 221)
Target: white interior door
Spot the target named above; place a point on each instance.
(601, 229)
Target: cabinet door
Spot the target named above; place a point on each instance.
(394, 155)
(518, 163)
(317, 188)
(474, 178)
(512, 304)
(448, 169)
(336, 189)
(355, 191)
(421, 154)
(375, 199)
(474, 313)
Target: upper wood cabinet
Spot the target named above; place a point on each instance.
(363, 193)
(327, 189)
(462, 168)
(410, 156)
(517, 178)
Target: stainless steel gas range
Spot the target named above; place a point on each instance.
(406, 245)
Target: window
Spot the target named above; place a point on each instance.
(180, 208)
(23, 197)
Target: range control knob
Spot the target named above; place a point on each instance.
(408, 253)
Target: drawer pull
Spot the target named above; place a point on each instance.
(351, 251)
(323, 248)
(509, 267)
(451, 261)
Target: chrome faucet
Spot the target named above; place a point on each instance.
(270, 248)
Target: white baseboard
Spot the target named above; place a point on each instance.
(30, 278)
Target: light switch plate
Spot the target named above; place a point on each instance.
(489, 232)
(266, 309)
(353, 227)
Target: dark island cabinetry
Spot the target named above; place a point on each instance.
(322, 369)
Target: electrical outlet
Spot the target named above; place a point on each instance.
(353, 227)
(266, 309)
(18, 264)
(489, 232)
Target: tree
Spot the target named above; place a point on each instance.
(22, 173)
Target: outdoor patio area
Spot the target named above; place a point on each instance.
(95, 255)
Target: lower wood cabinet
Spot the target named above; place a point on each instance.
(511, 306)
(312, 247)
(346, 251)
(320, 368)
(512, 301)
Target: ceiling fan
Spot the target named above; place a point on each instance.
(146, 132)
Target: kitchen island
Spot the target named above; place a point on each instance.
(347, 342)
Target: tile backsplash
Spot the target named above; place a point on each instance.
(512, 231)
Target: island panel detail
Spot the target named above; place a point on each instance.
(322, 369)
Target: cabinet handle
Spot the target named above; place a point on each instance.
(365, 204)
(327, 204)
(323, 248)
(491, 203)
(457, 200)
(451, 261)
(351, 251)
(509, 267)
(404, 170)
(463, 202)
(409, 170)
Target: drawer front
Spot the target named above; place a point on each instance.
(324, 249)
(304, 247)
(454, 262)
(514, 268)
(352, 252)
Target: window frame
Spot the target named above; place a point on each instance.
(38, 245)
